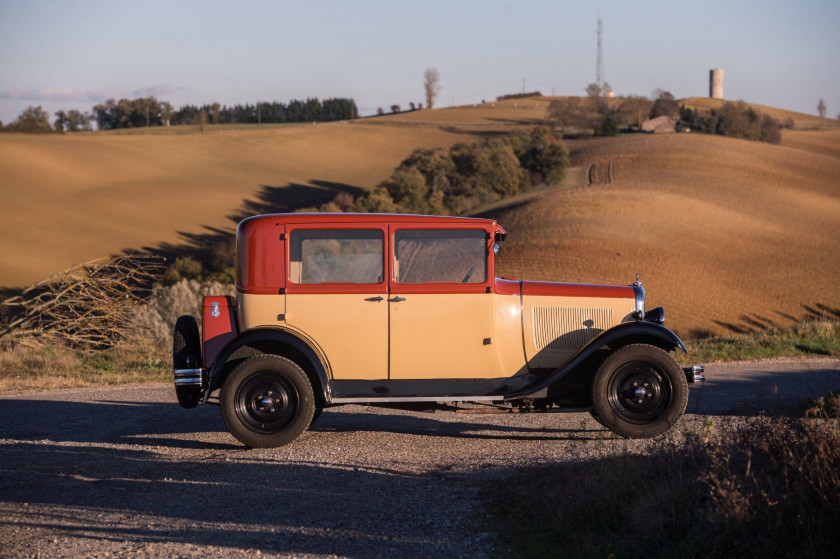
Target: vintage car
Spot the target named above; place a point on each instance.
(405, 311)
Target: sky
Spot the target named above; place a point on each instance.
(75, 54)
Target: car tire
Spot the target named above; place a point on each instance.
(639, 392)
(186, 354)
(267, 401)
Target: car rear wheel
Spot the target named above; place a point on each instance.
(639, 392)
(186, 354)
(267, 401)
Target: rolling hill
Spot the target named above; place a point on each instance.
(726, 234)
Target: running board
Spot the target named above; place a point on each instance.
(407, 399)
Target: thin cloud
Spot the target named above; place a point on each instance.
(53, 94)
(73, 95)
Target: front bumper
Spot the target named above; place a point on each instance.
(694, 374)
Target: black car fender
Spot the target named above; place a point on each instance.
(618, 336)
(272, 341)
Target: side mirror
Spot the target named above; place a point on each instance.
(497, 248)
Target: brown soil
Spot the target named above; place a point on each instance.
(728, 235)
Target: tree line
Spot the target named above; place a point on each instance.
(149, 111)
(310, 110)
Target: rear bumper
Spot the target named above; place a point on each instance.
(694, 374)
(189, 377)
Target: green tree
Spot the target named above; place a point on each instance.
(377, 201)
(61, 123)
(541, 153)
(609, 126)
(821, 108)
(33, 120)
(664, 104)
(632, 110)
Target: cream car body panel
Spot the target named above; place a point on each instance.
(254, 311)
(555, 328)
(350, 329)
(441, 335)
(506, 343)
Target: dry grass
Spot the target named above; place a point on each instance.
(819, 336)
(764, 488)
(56, 366)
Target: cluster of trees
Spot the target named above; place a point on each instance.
(132, 113)
(518, 95)
(72, 121)
(458, 179)
(397, 109)
(431, 89)
(603, 116)
(310, 110)
(737, 120)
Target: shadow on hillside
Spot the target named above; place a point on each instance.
(750, 324)
(519, 121)
(475, 133)
(217, 243)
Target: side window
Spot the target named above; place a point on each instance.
(336, 255)
(440, 255)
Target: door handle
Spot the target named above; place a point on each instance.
(397, 299)
(377, 298)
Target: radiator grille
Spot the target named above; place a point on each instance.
(568, 328)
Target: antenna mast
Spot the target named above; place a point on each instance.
(599, 66)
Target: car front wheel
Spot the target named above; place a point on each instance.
(639, 392)
(267, 401)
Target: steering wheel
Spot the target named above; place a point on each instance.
(469, 275)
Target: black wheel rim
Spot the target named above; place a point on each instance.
(639, 392)
(266, 402)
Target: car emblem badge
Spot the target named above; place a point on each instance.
(215, 312)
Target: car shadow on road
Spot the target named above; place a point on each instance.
(421, 424)
(127, 495)
(141, 472)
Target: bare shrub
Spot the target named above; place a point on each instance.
(89, 306)
(156, 319)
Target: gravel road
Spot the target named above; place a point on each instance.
(125, 471)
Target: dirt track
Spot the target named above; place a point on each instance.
(124, 470)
